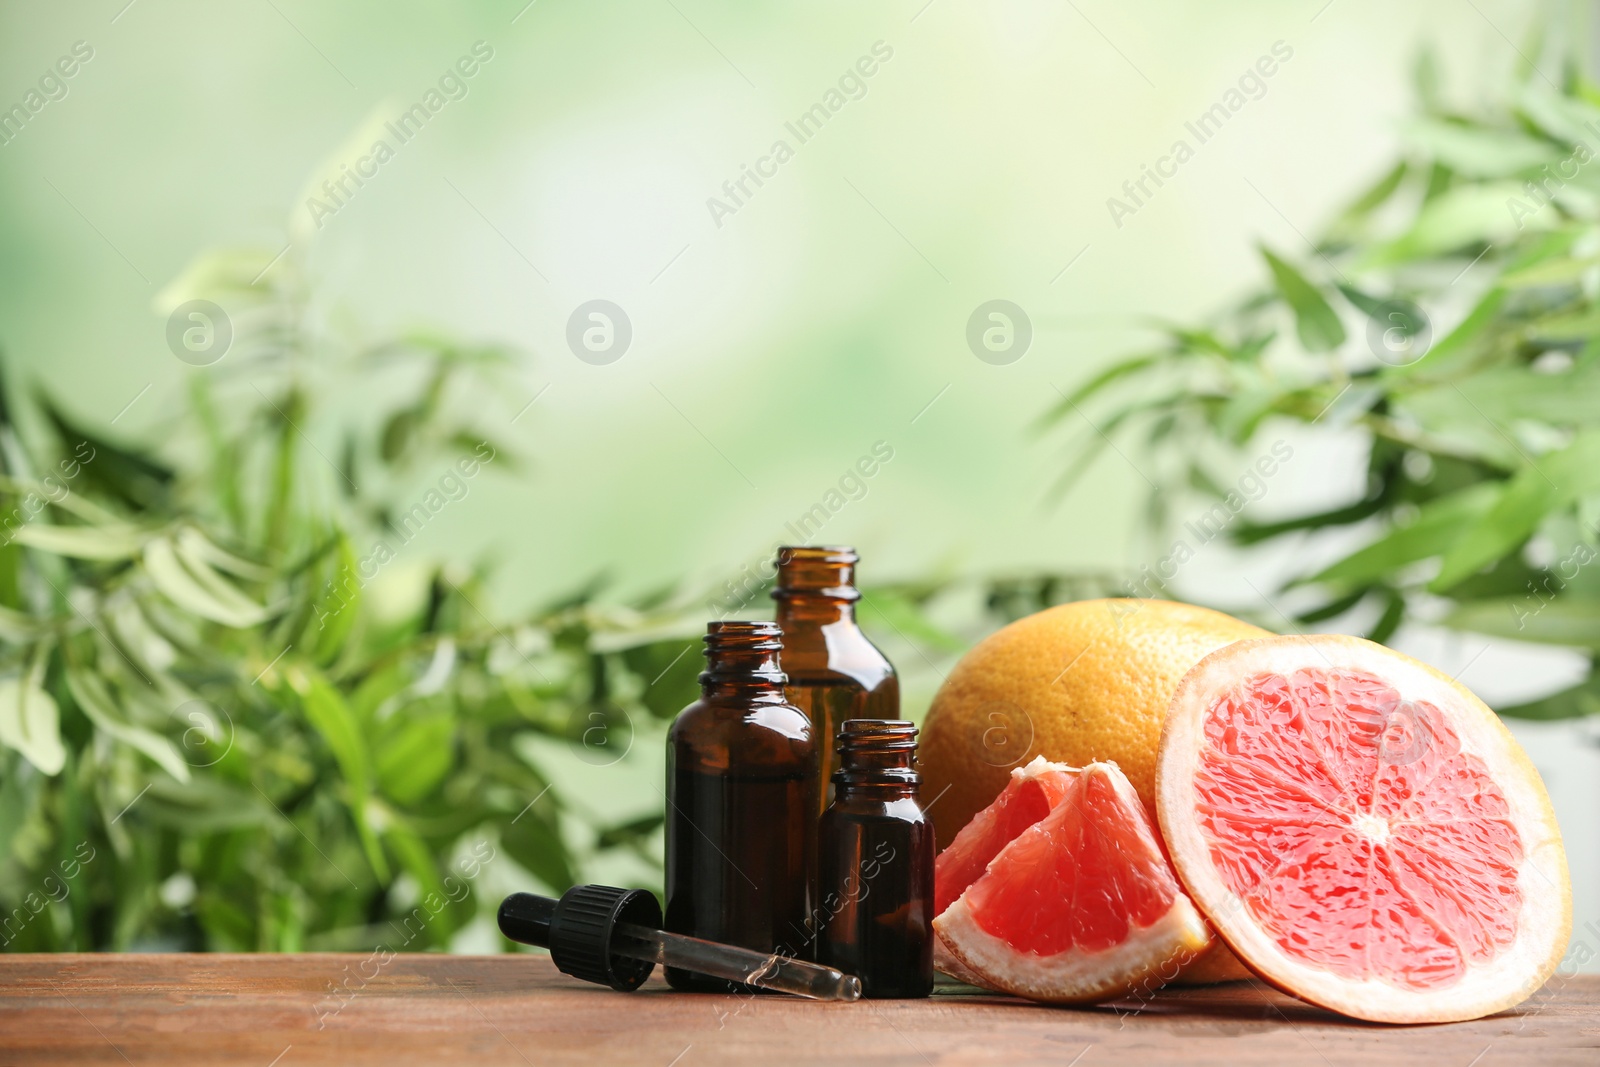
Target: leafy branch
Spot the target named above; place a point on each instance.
(1451, 316)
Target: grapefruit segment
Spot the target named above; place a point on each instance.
(1060, 892)
(1028, 797)
(1362, 830)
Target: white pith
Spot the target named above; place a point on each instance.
(1544, 921)
(1150, 955)
(947, 962)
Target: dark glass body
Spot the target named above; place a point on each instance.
(835, 673)
(875, 864)
(741, 803)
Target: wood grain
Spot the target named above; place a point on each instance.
(283, 1011)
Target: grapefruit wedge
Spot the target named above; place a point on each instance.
(1059, 891)
(1362, 831)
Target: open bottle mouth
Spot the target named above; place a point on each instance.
(743, 651)
(743, 636)
(876, 752)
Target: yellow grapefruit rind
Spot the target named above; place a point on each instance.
(1079, 682)
(1149, 957)
(1544, 924)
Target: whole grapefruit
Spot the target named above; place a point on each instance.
(1076, 683)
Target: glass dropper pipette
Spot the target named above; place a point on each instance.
(611, 936)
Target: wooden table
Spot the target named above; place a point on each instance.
(283, 1011)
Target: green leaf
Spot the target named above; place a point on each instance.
(1505, 395)
(1376, 194)
(81, 542)
(534, 841)
(338, 727)
(1458, 343)
(1577, 702)
(29, 719)
(228, 275)
(1248, 533)
(1370, 306)
(1315, 321)
(631, 833)
(1562, 270)
(96, 702)
(1562, 117)
(17, 628)
(205, 804)
(135, 636)
(341, 606)
(1394, 612)
(1478, 151)
(1562, 620)
(902, 616)
(670, 672)
(378, 687)
(1332, 609)
(1462, 218)
(130, 476)
(398, 434)
(415, 758)
(1392, 316)
(1545, 486)
(1577, 326)
(1431, 533)
(192, 544)
(328, 713)
(1121, 369)
(198, 589)
(417, 860)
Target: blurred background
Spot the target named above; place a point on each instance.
(582, 265)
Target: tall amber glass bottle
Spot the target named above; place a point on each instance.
(741, 805)
(835, 673)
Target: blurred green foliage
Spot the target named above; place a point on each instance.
(229, 721)
(1482, 503)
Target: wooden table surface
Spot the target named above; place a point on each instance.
(282, 1011)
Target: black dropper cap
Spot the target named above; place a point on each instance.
(577, 930)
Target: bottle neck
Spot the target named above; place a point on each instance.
(815, 585)
(742, 662)
(877, 759)
(813, 610)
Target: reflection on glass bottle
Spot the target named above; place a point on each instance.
(835, 673)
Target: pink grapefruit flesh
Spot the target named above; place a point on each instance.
(1362, 830)
(1060, 892)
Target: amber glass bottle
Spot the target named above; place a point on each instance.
(741, 805)
(834, 672)
(875, 864)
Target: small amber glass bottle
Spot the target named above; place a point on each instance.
(835, 673)
(741, 805)
(875, 864)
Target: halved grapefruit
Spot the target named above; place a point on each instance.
(1362, 830)
(1059, 891)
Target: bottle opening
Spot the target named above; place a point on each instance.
(743, 652)
(876, 735)
(877, 752)
(743, 636)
